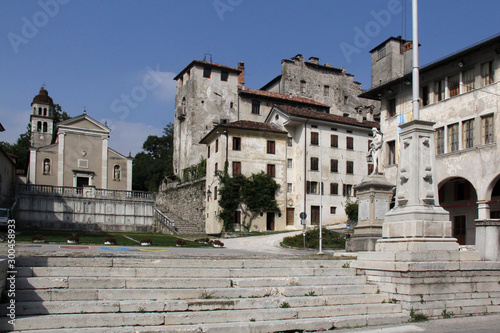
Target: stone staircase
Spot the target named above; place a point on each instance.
(127, 294)
(182, 226)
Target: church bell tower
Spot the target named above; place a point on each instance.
(42, 119)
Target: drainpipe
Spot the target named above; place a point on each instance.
(305, 168)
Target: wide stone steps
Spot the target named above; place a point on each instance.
(106, 294)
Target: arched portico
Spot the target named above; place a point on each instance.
(459, 197)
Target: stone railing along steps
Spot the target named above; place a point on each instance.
(124, 294)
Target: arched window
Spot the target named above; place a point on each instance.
(45, 127)
(116, 173)
(44, 111)
(39, 111)
(46, 166)
(39, 126)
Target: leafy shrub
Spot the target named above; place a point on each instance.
(331, 239)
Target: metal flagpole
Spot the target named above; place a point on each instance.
(415, 71)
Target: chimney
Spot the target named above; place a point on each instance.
(241, 76)
(299, 57)
(407, 46)
(314, 60)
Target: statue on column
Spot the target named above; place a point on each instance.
(376, 151)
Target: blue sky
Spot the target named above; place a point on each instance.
(93, 54)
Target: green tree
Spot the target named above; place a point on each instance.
(253, 196)
(155, 162)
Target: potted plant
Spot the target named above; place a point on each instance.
(180, 242)
(216, 243)
(73, 239)
(109, 241)
(38, 238)
(146, 242)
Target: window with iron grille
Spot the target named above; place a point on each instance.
(289, 163)
(468, 133)
(289, 188)
(289, 142)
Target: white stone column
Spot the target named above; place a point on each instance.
(60, 162)
(129, 174)
(483, 210)
(104, 168)
(32, 169)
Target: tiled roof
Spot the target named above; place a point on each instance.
(246, 125)
(281, 96)
(253, 125)
(311, 114)
(206, 63)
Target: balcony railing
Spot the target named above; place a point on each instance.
(85, 192)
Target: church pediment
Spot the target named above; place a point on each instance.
(83, 122)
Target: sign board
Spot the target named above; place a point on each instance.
(303, 215)
(303, 221)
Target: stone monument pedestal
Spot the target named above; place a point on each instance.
(417, 261)
(374, 195)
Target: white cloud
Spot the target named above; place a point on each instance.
(14, 122)
(128, 137)
(161, 84)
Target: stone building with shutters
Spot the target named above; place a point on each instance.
(460, 94)
(74, 152)
(208, 94)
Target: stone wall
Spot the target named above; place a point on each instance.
(77, 212)
(186, 200)
(439, 289)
